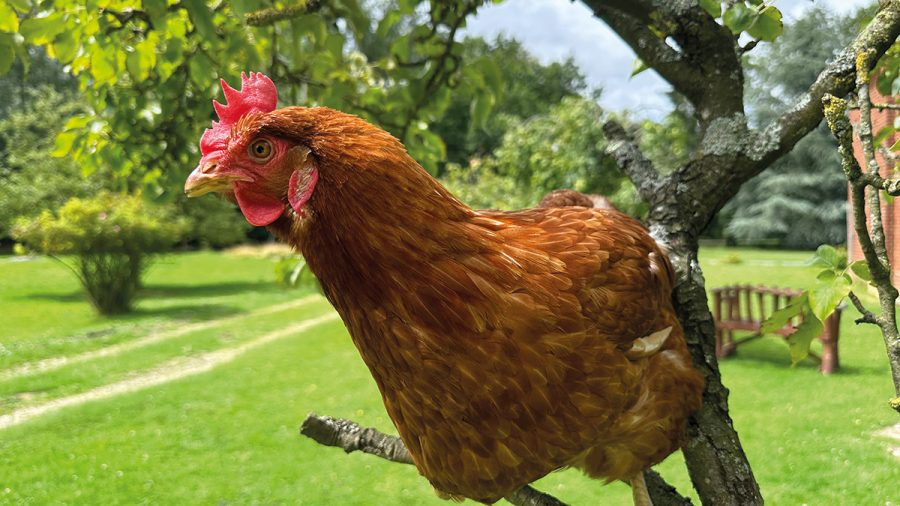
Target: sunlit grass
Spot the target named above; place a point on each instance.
(45, 313)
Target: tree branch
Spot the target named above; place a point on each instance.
(661, 492)
(867, 316)
(703, 60)
(836, 79)
(870, 236)
(273, 15)
(835, 114)
(631, 160)
(350, 437)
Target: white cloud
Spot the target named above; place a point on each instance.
(555, 29)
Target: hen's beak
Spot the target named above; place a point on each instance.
(209, 177)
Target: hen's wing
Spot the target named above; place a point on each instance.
(616, 271)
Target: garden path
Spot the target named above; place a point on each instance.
(169, 371)
(49, 364)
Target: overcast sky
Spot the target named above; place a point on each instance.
(555, 29)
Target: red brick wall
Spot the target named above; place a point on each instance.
(890, 212)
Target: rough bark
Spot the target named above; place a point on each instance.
(683, 203)
(865, 199)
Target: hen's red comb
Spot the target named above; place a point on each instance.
(257, 94)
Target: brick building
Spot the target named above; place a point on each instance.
(890, 212)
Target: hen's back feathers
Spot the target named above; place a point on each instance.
(505, 360)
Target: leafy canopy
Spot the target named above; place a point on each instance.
(148, 69)
(801, 200)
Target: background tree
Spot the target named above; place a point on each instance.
(474, 128)
(801, 201)
(31, 179)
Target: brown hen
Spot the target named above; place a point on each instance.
(505, 344)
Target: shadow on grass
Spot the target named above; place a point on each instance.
(207, 290)
(169, 291)
(772, 353)
(190, 312)
(190, 305)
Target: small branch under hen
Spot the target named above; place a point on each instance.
(350, 437)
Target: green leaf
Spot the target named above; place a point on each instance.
(638, 66)
(201, 17)
(22, 6)
(825, 295)
(828, 257)
(490, 71)
(76, 122)
(42, 30)
(171, 58)
(64, 143)
(801, 339)
(389, 21)
(203, 72)
(883, 134)
(142, 60)
(481, 108)
(895, 146)
(7, 52)
(780, 318)
(861, 269)
(103, 64)
(9, 22)
(713, 7)
(768, 25)
(400, 49)
(407, 6)
(738, 18)
(65, 46)
(156, 9)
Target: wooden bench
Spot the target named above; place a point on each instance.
(745, 307)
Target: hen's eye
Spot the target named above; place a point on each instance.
(260, 150)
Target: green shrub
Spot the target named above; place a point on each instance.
(112, 238)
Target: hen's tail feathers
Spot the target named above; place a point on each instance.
(649, 344)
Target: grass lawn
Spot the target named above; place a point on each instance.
(230, 435)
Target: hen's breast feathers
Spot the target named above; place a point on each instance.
(507, 358)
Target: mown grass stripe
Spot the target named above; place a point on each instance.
(167, 372)
(50, 364)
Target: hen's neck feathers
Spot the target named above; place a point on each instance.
(375, 215)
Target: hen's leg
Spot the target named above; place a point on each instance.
(639, 491)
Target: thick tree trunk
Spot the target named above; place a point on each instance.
(704, 66)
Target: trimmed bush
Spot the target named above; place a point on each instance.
(112, 238)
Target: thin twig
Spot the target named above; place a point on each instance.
(272, 15)
(867, 316)
(350, 437)
(631, 160)
(871, 238)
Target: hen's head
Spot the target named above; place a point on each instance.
(267, 159)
